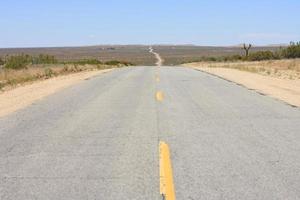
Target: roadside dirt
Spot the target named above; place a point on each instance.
(20, 97)
(283, 69)
(283, 89)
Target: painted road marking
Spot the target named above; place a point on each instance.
(159, 96)
(157, 79)
(165, 172)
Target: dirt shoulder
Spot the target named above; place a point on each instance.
(20, 97)
(283, 69)
(287, 90)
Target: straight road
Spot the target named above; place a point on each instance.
(99, 139)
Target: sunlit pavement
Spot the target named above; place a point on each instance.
(100, 139)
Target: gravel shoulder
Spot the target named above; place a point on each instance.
(283, 89)
(20, 97)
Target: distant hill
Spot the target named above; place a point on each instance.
(137, 54)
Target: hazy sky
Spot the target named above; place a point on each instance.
(30, 23)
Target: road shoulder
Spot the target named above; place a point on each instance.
(282, 89)
(20, 97)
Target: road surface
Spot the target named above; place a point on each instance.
(159, 60)
(99, 140)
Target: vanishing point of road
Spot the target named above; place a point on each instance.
(100, 139)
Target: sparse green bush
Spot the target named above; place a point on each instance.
(232, 58)
(65, 69)
(85, 62)
(1, 61)
(21, 61)
(44, 59)
(116, 63)
(261, 55)
(1, 85)
(18, 62)
(292, 51)
(49, 73)
(211, 59)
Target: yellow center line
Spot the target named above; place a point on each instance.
(159, 96)
(157, 79)
(165, 172)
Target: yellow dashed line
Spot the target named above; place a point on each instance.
(159, 96)
(165, 172)
(157, 79)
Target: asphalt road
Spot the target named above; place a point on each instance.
(99, 140)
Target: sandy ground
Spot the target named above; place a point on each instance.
(23, 96)
(283, 69)
(283, 89)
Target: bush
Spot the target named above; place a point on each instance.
(233, 58)
(44, 59)
(49, 73)
(18, 62)
(86, 62)
(261, 55)
(112, 62)
(1, 61)
(292, 51)
(116, 63)
(21, 61)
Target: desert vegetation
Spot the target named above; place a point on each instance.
(289, 52)
(179, 54)
(283, 63)
(18, 69)
(1, 62)
(247, 49)
(135, 54)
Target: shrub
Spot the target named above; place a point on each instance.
(2, 85)
(232, 58)
(44, 59)
(261, 55)
(18, 62)
(112, 62)
(86, 62)
(1, 61)
(292, 51)
(116, 63)
(65, 69)
(21, 61)
(49, 72)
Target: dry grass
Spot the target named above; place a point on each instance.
(11, 78)
(285, 69)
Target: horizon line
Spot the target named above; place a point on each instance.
(157, 44)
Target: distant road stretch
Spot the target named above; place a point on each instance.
(99, 139)
(159, 61)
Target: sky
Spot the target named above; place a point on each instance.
(47, 23)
